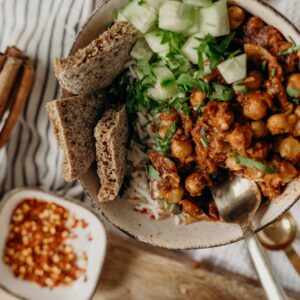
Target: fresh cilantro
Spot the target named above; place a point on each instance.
(137, 99)
(177, 63)
(214, 50)
(293, 92)
(254, 164)
(273, 72)
(295, 101)
(264, 66)
(173, 208)
(145, 68)
(153, 173)
(142, 2)
(290, 50)
(240, 88)
(203, 139)
(180, 103)
(163, 145)
(175, 40)
(221, 93)
(187, 83)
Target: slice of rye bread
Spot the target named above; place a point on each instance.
(73, 120)
(111, 135)
(97, 65)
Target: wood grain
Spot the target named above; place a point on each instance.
(134, 271)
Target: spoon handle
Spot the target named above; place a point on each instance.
(293, 257)
(263, 267)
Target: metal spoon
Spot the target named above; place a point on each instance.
(237, 200)
(280, 236)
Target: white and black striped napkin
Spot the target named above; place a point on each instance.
(44, 29)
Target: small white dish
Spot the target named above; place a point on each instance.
(95, 249)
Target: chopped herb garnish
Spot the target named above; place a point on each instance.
(221, 92)
(175, 40)
(290, 50)
(163, 145)
(273, 72)
(213, 50)
(240, 88)
(254, 164)
(187, 83)
(293, 92)
(153, 173)
(142, 2)
(173, 208)
(146, 69)
(264, 66)
(203, 138)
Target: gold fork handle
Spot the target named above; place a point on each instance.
(293, 257)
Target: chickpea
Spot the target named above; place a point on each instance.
(297, 111)
(240, 137)
(277, 124)
(236, 16)
(169, 117)
(259, 129)
(296, 130)
(162, 131)
(254, 80)
(254, 106)
(294, 82)
(195, 183)
(174, 195)
(197, 98)
(232, 164)
(181, 149)
(290, 149)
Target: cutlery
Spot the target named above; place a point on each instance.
(280, 236)
(237, 200)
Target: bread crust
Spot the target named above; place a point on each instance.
(73, 120)
(111, 134)
(97, 65)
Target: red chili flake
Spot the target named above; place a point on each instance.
(36, 248)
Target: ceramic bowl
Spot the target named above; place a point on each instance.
(164, 233)
(94, 247)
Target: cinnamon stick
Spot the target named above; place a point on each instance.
(8, 77)
(15, 52)
(20, 97)
(2, 60)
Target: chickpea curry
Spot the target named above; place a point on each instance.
(210, 102)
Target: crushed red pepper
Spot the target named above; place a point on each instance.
(37, 249)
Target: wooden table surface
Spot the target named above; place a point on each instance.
(134, 271)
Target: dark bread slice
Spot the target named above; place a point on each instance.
(97, 65)
(111, 135)
(73, 120)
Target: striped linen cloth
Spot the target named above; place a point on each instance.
(45, 29)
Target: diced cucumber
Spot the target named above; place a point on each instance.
(165, 86)
(143, 17)
(189, 49)
(120, 17)
(141, 50)
(154, 40)
(176, 16)
(155, 3)
(194, 28)
(214, 19)
(199, 3)
(234, 69)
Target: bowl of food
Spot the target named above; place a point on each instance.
(50, 247)
(201, 89)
